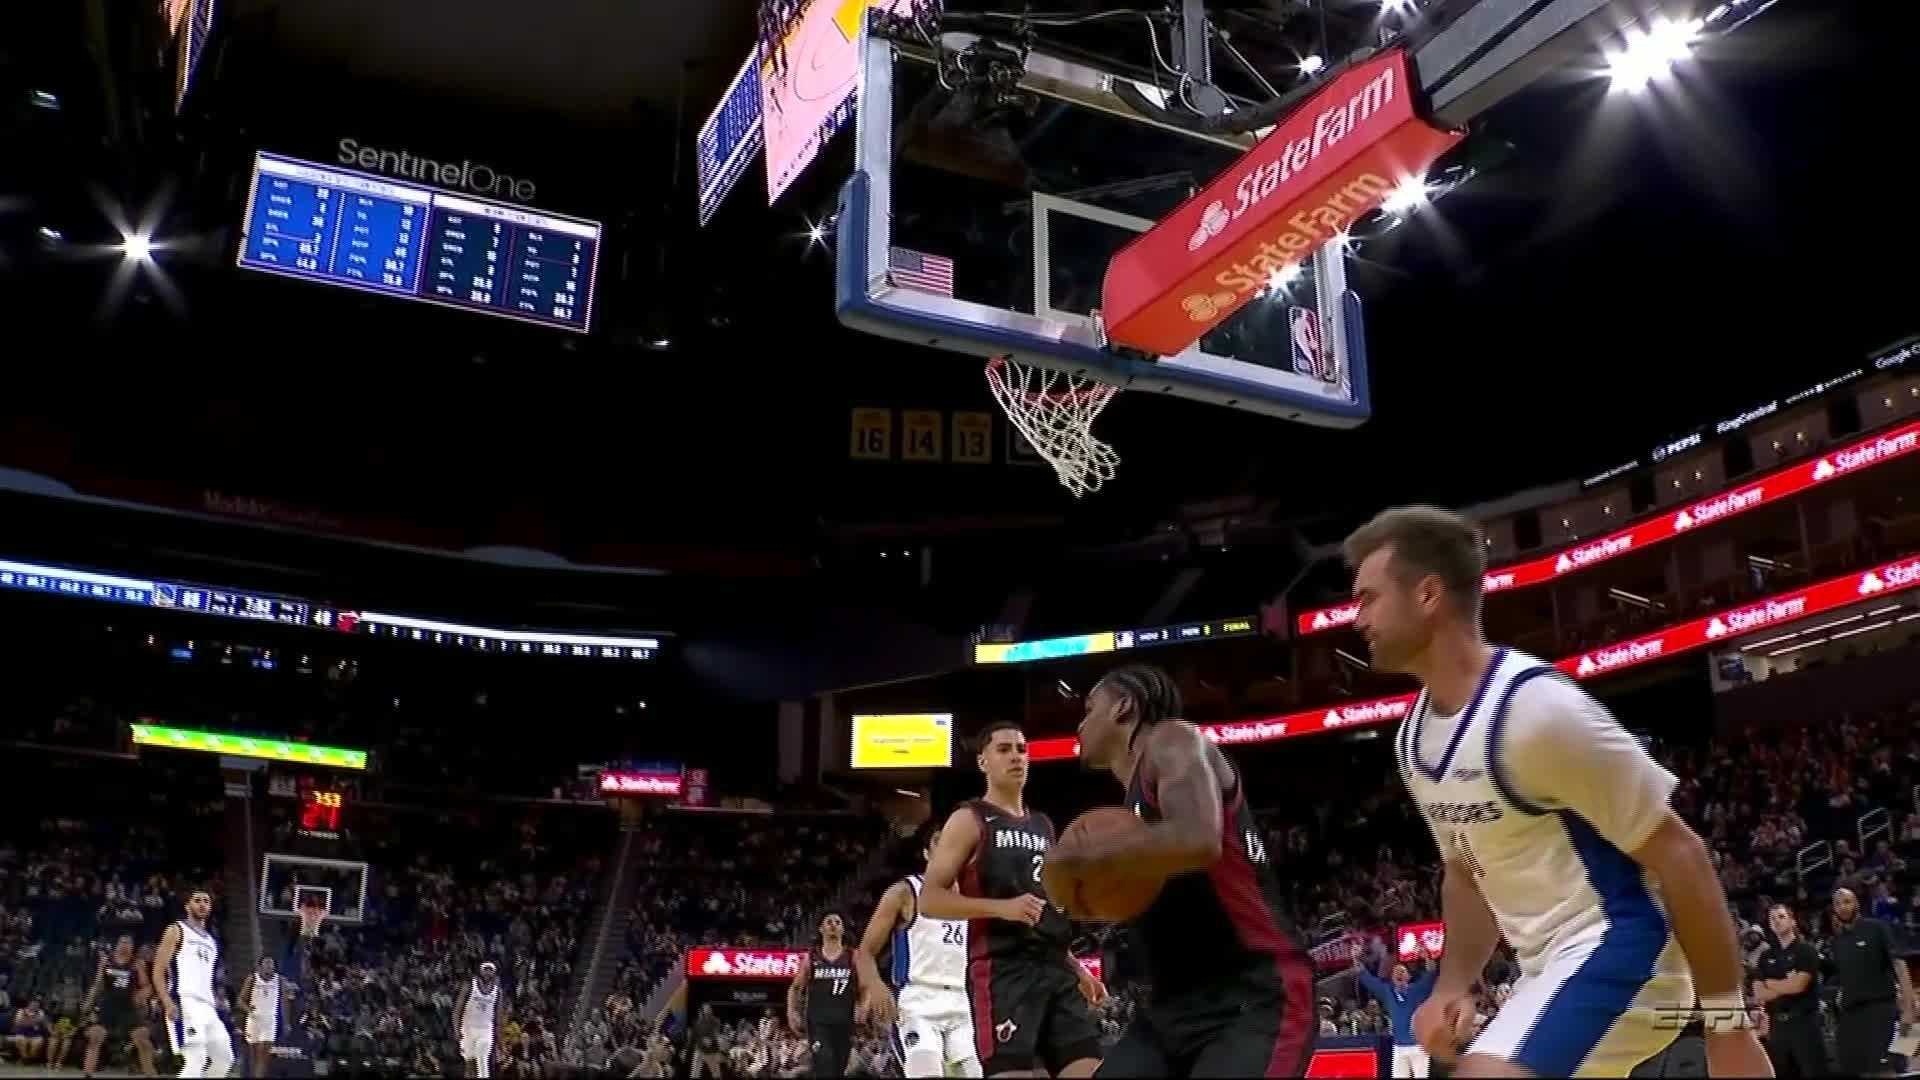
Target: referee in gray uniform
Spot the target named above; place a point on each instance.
(1872, 989)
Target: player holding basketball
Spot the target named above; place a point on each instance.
(934, 1028)
(1555, 830)
(478, 1020)
(183, 978)
(1232, 986)
(1029, 997)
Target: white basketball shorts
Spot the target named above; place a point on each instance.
(935, 1030)
(1597, 1009)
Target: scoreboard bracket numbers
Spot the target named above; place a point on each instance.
(872, 436)
(923, 435)
(972, 438)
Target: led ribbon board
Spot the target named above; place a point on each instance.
(247, 746)
(1768, 490)
(1780, 609)
(261, 607)
(1106, 641)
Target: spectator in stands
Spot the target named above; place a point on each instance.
(1400, 997)
(30, 1031)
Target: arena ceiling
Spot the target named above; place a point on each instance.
(1625, 269)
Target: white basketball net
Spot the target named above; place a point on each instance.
(1055, 411)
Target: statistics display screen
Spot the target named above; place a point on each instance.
(342, 227)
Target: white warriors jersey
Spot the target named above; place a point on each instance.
(929, 952)
(1538, 789)
(193, 965)
(480, 1006)
(266, 996)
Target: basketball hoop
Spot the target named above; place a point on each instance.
(1055, 412)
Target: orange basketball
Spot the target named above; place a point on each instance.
(1112, 895)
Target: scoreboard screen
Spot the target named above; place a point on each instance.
(342, 227)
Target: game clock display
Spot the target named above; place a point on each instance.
(366, 232)
(320, 812)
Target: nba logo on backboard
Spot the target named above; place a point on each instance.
(1304, 341)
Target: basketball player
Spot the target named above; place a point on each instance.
(260, 999)
(183, 979)
(827, 978)
(1555, 831)
(1029, 997)
(117, 1000)
(478, 1020)
(933, 1030)
(1232, 985)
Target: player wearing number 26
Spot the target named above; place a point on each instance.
(1555, 831)
(1029, 997)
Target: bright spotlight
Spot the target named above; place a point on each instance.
(1397, 7)
(136, 247)
(815, 233)
(1651, 54)
(1278, 281)
(1312, 65)
(1411, 195)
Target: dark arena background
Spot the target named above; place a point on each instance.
(518, 482)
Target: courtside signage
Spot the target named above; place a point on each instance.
(1773, 488)
(1332, 161)
(1886, 579)
(669, 784)
(743, 963)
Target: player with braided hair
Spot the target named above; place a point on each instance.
(1232, 988)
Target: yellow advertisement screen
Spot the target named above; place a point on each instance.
(903, 741)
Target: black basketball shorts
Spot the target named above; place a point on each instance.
(1029, 1014)
(1232, 1033)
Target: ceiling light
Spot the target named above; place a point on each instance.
(1651, 53)
(136, 247)
(1410, 195)
(1281, 278)
(1312, 65)
(44, 99)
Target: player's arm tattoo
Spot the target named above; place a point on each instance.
(797, 988)
(1187, 791)
(99, 977)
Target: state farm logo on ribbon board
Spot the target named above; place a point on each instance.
(743, 963)
(1329, 163)
(641, 783)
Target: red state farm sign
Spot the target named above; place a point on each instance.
(743, 963)
(1333, 160)
(1264, 729)
(1780, 609)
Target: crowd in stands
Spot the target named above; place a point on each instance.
(440, 904)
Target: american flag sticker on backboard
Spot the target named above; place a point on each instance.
(916, 270)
